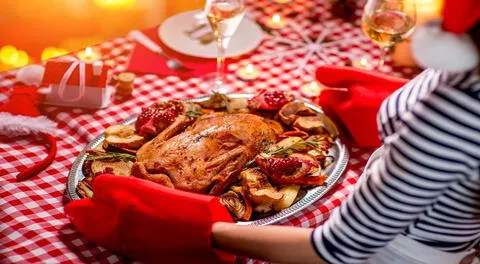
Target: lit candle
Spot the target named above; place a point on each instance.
(276, 22)
(311, 89)
(248, 73)
(315, 88)
(89, 55)
(362, 63)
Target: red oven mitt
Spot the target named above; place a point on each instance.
(149, 222)
(357, 108)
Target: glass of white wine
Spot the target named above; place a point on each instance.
(387, 22)
(224, 17)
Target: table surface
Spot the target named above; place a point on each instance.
(33, 227)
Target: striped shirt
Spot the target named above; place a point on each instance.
(426, 184)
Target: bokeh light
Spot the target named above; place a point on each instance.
(52, 52)
(115, 3)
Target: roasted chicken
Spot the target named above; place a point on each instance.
(209, 155)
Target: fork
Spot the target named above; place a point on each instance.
(152, 46)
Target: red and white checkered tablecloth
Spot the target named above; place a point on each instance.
(33, 227)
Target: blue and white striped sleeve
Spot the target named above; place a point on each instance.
(435, 145)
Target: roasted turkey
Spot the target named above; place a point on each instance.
(209, 155)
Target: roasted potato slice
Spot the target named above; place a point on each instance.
(123, 137)
(290, 193)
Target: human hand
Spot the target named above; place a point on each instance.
(149, 222)
(357, 107)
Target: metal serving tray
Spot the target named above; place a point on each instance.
(334, 171)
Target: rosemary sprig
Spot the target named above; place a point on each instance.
(297, 146)
(193, 114)
(111, 155)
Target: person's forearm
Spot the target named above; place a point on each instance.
(272, 243)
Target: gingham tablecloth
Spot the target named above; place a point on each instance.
(33, 227)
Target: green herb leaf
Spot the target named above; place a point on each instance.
(297, 146)
(111, 155)
(194, 114)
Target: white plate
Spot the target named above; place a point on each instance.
(247, 37)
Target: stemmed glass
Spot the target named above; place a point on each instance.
(224, 17)
(387, 22)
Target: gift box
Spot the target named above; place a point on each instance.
(77, 84)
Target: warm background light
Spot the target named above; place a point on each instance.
(47, 29)
(115, 3)
(428, 9)
(52, 52)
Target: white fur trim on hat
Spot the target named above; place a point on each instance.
(435, 48)
(18, 125)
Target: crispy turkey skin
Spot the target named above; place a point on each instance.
(209, 155)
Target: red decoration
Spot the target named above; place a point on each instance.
(358, 107)
(150, 222)
(54, 71)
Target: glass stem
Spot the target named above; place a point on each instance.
(220, 61)
(384, 50)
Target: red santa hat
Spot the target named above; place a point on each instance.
(20, 117)
(445, 44)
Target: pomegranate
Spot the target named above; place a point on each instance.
(270, 100)
(293, 169)
(157, 117)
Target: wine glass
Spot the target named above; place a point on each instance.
(387, 22)
(224, 17)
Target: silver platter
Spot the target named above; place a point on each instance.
(334, 171)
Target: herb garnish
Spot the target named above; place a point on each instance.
(193, 114)
(111, 155)
(297, 146)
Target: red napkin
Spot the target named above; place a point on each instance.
(358, 107)
(150, 222)
(143, 60)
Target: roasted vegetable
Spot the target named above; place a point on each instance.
(122, 137)
(291, 111)
(295, 133)
(258, 188)
(309, 124)
(289, 192)
(84, 189)
(237, 204)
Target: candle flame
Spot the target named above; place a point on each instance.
(88, 52)
(364, 61)
(249, 69)
(314, 86)
(276, 18)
